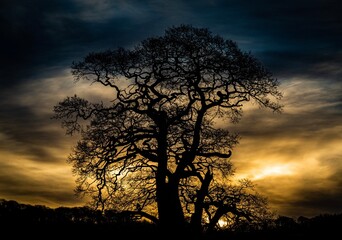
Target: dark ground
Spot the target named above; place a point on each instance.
(21, 221)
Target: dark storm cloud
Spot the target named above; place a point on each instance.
(38, 34)
(291, 37)
(19, 184)
(27, 44)
(27, 131)
(318, 196)
(305, 63)
(318, 200)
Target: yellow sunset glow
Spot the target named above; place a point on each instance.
(275, 170)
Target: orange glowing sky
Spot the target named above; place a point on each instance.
(294, 158)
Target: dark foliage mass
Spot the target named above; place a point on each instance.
(40, 221)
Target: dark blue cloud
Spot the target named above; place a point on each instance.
(25, 133)
(38, 34)
(290, 37)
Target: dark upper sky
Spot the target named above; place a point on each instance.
(300, 41)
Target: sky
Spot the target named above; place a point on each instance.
(294, 158)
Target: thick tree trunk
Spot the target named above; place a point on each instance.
(171, 217)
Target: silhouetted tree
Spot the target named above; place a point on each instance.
(157, 144)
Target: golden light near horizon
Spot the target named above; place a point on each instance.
(273, 170)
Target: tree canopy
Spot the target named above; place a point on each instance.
(156, 148)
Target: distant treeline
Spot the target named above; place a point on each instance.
(18, 213)
(85, 221)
